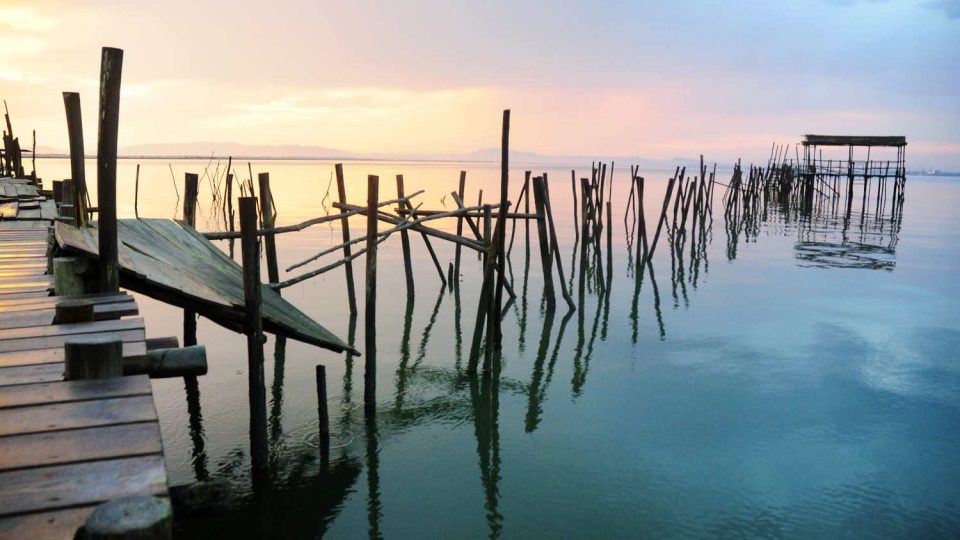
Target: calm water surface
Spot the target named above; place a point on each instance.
(800, 381)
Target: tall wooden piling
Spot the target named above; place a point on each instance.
(501, 240)
(190, 191)
(345, 234)
(544, 238)
(540, 186)
(111, 65)
(267, 218)
(662, 219)
(71, 103)
(136, 193)
(405, 245)
(461, 188)
(253, 327)
(370, 306)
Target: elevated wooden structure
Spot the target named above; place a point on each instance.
(854, 168)
(170, 261)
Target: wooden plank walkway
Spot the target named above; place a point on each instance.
(65, 446)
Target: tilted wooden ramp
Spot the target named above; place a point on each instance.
(170, 261)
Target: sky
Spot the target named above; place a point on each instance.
(648, 79)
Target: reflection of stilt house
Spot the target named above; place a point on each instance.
(841, 174)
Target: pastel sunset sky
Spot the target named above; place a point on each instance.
(649, 79)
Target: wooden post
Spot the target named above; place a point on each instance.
(540, 184)
(229, 196)
(573, 188)
(267, 218)
(33, 157)
(456, 264)
(190, 190)
(405, 245)
(93, 358)
(73, 311)
(57, 187)
(253, 327)
(67, 208)
(71, 103)
(130, 518)
(545, 255)
(500, 240)
(370, 307)
(136, 193)
(322, 413)
(345, 231)
(66, 281)
(662, 219)
(111, 64)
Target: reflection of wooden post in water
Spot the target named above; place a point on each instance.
(345, 232)
(374, 508)
(404, 354)
(370, 306)
(275, 421)
(323, 416)
(253, 327)
(485, 401)
(110, 68)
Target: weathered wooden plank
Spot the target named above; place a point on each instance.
(30, 343)
(76, 445)
(25, 294)
(21, 272)
(26, 191)
(134, 351)
(28, 213)
(48, 209)
(28, 243)
(80, 414)
(63, 486)
(70, 391)
(56, 525)
(25, 282)
(33, 373)
(51, 301)
(76, 328)
(19, 226)
(44, 316)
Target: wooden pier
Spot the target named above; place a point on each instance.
(65, 446)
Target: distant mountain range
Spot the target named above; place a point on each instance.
(204, 150)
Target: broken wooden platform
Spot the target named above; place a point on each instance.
(170, 261)
(66, 446)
